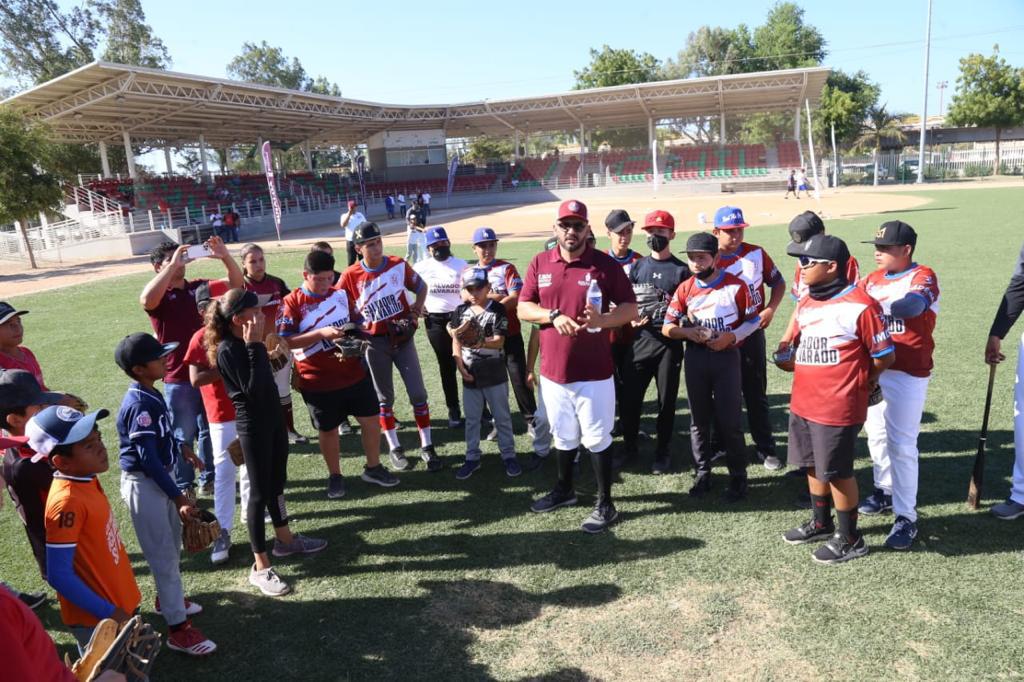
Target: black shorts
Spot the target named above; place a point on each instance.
(327, 410)
(829, 449)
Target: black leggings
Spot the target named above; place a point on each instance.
(515, 360)
(441, 342)
(266, 458)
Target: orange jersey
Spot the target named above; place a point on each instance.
(78, 516)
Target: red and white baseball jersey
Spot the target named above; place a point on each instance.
(319, 369)
(723, 304)
(836, 340)
(627, 261)
(912, 338)
(799, 289)
(504, 280)
(216, 403)
(754, 266)
(379, 294)
(272, 291)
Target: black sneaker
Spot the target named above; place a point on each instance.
(808, 532)
(535, 462)
(336, 487)
(662, 464)
(623, 457)
(701, 486)
(875, 503)
(553, 500)
(616, 430)
(431, 459)
(599, 519)
(398, 460)
(378, 475)
(838, 549)
(33, 600)
(737, 489)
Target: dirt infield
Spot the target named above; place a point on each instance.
(532, 221)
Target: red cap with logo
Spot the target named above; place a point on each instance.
(659, 219)
(572, 209)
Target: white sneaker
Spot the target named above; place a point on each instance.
(268, 582)
(221, 547)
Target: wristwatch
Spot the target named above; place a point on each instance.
(552, 314)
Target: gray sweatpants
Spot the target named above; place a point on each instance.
(158, 528)
(381, 357)
(496, 397)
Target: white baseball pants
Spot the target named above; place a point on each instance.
(1017, 484)
(580, 412)
(224, 476)
(892, 427)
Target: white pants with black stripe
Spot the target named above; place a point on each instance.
(580, 412)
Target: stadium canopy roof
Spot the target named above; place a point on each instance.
(101, 101)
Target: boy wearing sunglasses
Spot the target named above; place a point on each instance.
(842, 346)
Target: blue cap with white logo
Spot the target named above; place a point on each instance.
(729, 218)
(59, 425)
(484, 234)
(435, 235)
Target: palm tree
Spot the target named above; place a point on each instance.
(880, 125)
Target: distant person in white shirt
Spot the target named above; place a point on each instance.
(442, 273)
(426, 203)
(349, 222)
(401, 203)
(217, 221)
(802, 184)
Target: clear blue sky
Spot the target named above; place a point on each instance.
(442, 52)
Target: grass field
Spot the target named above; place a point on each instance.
(439, 579)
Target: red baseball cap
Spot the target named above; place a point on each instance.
(352, 203)
(659, 219)
(572, 209)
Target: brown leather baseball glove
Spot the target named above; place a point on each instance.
(277, 349)
(200, 531)
(469, 334)
(401, 330)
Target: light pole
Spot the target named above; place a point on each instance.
(924, 106)
(941, 86)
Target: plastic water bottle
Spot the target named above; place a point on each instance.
(595, 298)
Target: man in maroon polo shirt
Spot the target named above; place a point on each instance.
(169, 300)
(567, 291)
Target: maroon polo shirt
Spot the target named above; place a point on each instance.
(551, 282)
(176, 318)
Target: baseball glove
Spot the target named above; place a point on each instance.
(652, 303)
(348, 347)
(235, 452)
(400, 330)
(130, 652)
(200, 531)
(470, 334)
(278, 351)
(73, 401)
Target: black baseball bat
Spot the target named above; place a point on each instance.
(978, 474)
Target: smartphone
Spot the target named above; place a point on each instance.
(198, 251)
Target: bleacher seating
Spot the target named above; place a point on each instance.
(687, 162)
(789, 155)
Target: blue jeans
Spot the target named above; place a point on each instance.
(189, 423)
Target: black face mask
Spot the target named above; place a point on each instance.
(442, 252)
(657, 243)
(704, 274)
(823, 292)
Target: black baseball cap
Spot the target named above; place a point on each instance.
(19, 388)
(7, 311)
(247, 300)
(366, 232)
(704, 242)
(618, 220)
(805, 226)
(821, 247)
(140, 348)
(894, 233)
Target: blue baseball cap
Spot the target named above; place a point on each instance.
(435, 235)
(728, 218)
(474, 277)
(484, 234)
(59, 425)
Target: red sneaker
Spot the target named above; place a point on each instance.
(189, 640)
(191, 608)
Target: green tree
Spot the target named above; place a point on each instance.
(267, 65)
(25, 188)
(321, 86)
(609, 67)
(39, 42)
(784, 41)
(712, 51)
(129, 39)
(845, 102)
(879, 126)
(989, 93)
(486, 148)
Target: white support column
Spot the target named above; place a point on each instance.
(583, 153)
(309, 156)
(652, 140)
(167, 161)
(129, 154)
(796, 134)
(202, 156)
(515, 142)
(104, 160)
(721, 129)
(227, 161)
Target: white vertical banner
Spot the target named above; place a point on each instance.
(810, 147)
(275, 201)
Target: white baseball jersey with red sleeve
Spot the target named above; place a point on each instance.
(913, 338)
(318, 367)
(799, 289)
(379, 294)
(504, 280)
(754, 266)
(836, 341)
(723, 304)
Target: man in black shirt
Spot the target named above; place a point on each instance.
(653, 356)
